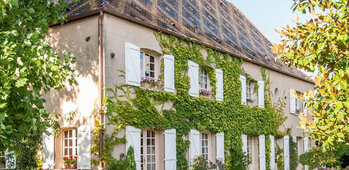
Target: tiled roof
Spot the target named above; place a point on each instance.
(214, 22)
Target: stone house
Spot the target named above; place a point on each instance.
(114, 35)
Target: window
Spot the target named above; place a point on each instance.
(249, 148)
(204, 145)
(249, 89)
(299, 105)
(148, 161)
(69, 142)
(203, 81)
(148, 68)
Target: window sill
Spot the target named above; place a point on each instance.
(151, 87)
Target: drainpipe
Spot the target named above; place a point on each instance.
(101, 85)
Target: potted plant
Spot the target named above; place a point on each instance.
(148, 82)
(205, 92)
(70, 162)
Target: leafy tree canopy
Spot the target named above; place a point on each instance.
(320, 45)
(28, 67)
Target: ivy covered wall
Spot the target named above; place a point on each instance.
(145, 108)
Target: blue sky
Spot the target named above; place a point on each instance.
(267, 15)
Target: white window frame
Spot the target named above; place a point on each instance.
(204, 138)
(249, 88)
(202, 83)
(147, 56)
(74, 142)
(144, 149)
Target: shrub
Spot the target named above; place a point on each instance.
(125, 163)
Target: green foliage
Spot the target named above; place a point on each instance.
(280, 158)
(317, 157)
(124, 163)
(237, 160)
(320, 45)
(201, 164)
(145, 108)
(267, 152)
(26, 153)
(293, 155)
(28, 67)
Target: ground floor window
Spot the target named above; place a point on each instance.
(69, 142)
(204, 145)
(249, 148)
(148, 154)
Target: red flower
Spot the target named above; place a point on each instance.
(75, 157)
(70, 155)
(64, 158)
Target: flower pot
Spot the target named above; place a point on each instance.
(66, 166)
(2, 165)
(146, 85)
(72, 166)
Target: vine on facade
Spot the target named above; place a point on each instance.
(145, 108)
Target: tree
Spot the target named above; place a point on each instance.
(320, 45)
(28, 68)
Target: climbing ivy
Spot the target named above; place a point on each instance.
(293, 155)
(145, 108)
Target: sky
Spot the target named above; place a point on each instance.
(267, 15)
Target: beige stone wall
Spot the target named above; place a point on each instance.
(118, 31)
(80, 98)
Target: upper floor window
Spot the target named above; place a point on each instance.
(148, 161)
(204, 145)
(148, 65)
(249, 90)
(203, 79)
(69, 142)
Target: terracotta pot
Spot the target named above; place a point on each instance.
(72, 166)
(66, 166)
(147, 85)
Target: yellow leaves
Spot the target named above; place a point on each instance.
(303, 117)
(287, 27)
(317, 81)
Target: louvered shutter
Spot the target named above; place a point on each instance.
(132, 64)
(272, 152)
(10, 160)
(292, 103)
(170, 149)
(219, 84)
(262, 152)
(220, 147)
(244, 144)
(261, 94)
(243, 89)
(193, 73)
(84, 145)
(194, 147)
(286, 153)
(169, 73)
(133, 138)
(48, 150)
